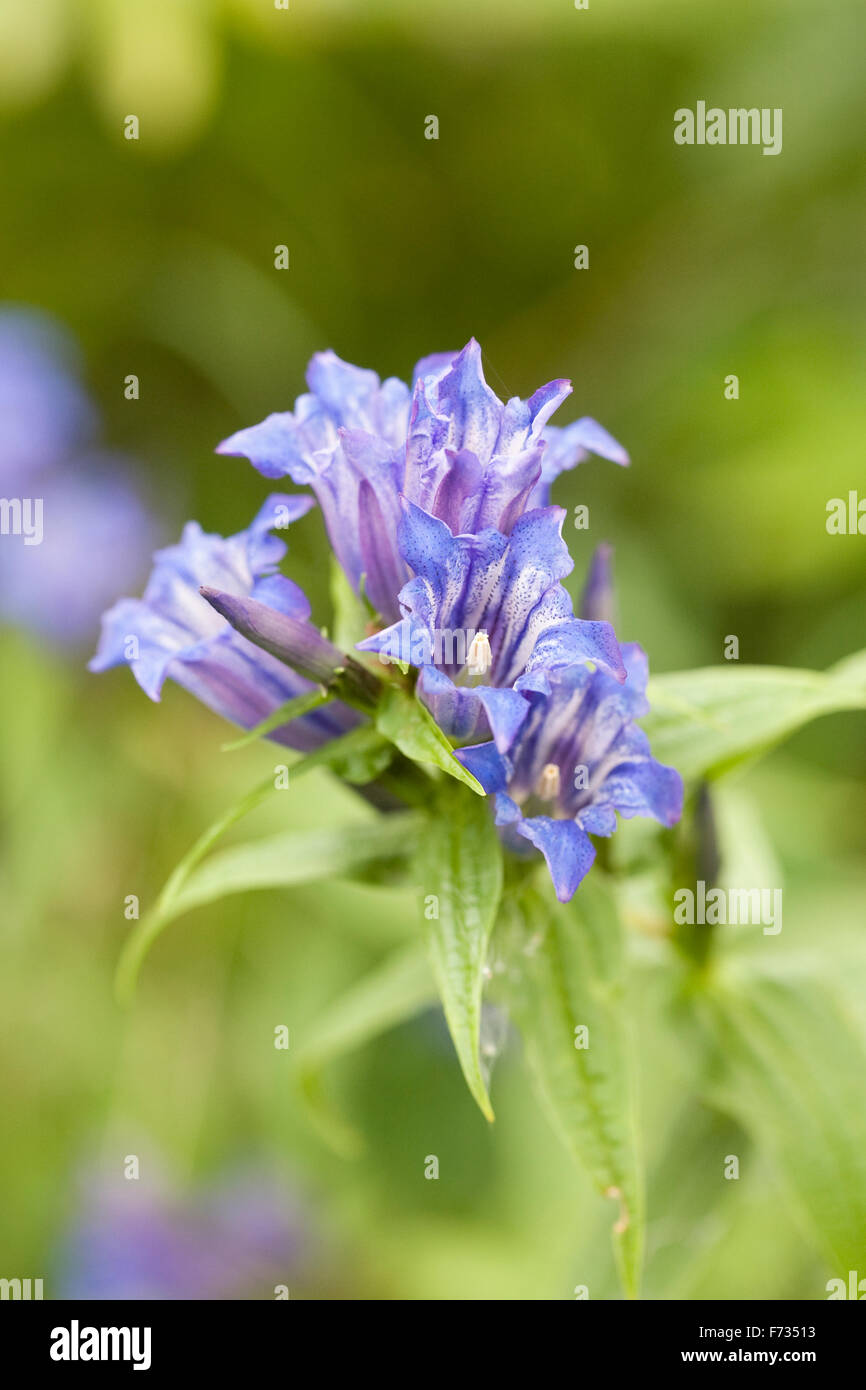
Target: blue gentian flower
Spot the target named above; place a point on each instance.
(576, 760)
(450, 446)
(175, 632)
(482, 611)
(436, 503)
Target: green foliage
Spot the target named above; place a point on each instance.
(460, 872)
(280, 861)
(358, 757)
(786, 1060)
(351, 613)
(705, 722)
(568, 993)
(768, 1048)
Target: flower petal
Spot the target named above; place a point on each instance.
(570, 445)
(506, 711)
(474, 411)
(486, 764)
(457, 710)
(643, 787)
(274, 446)
(298, 643)
(566, 847)
(573, 642)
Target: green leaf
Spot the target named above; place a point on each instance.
(357, 756)
(708, 720)
(407, 724)
(790, 1067)
(851, 669)
(399, 987)
(285, 860)
(568, 974)
(292, 709)
(460, 868)
(280, 861)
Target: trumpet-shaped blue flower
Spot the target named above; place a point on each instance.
(449, 445)
(576, 760)
(483, 611)
(174, 632)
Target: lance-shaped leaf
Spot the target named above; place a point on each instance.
(568, 998)
(705, 721)
(285, 860)
(460, 876)
(279, 861)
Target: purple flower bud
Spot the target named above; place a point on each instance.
(297, 643)
(597, 599)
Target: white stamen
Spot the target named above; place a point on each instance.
(547, 786)
(479, 658)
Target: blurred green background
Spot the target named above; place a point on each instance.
(306, 127)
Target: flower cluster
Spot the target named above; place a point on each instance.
(436, 502)
(448, 445)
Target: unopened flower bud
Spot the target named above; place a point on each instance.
(298, 643)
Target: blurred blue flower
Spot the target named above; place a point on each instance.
(449, 445)
(576, 760)
(483, 610)
(173, 631)
(44, 412)
(239, 1238)
(94, 533)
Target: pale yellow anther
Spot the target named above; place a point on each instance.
(547, 786)
(479, 658)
